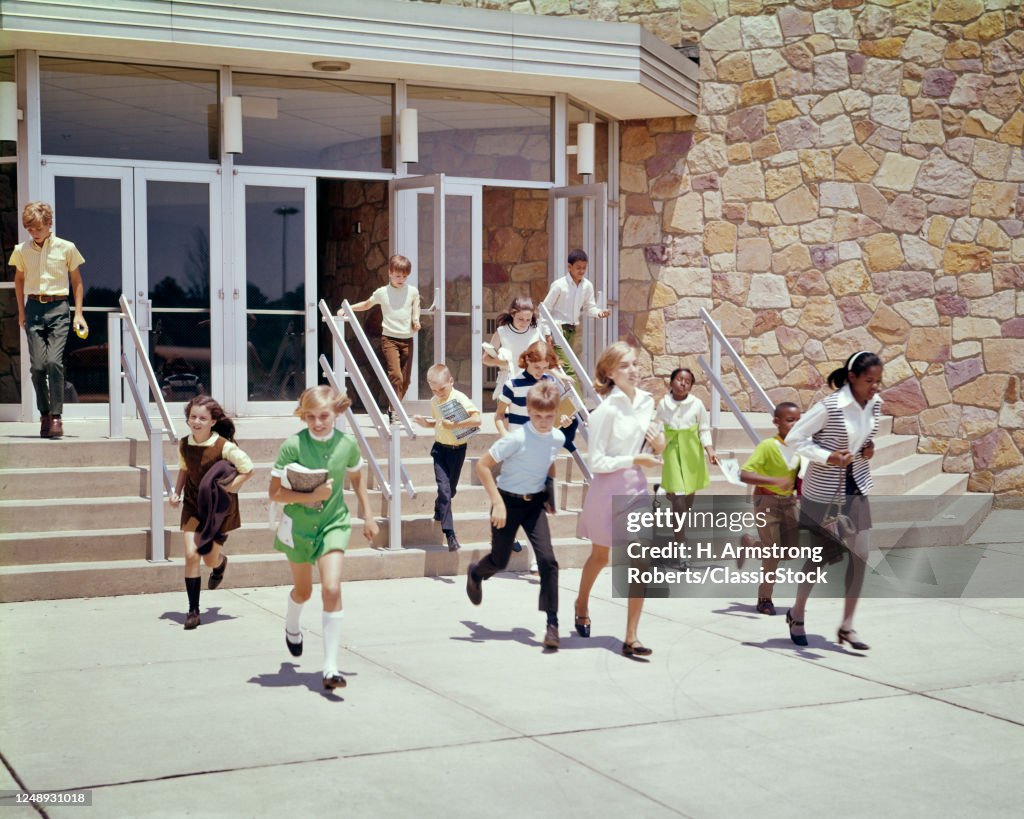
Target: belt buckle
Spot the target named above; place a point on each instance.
(44, 299)
(527, 498)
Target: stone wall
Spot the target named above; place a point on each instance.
(854, 182)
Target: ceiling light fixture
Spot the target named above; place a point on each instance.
(332, 66)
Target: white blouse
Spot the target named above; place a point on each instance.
(858, 422)
(684, 414)
(617, 430)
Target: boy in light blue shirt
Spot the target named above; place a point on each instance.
(527, 455)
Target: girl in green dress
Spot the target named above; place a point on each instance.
(688, 439)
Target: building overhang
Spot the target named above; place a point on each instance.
(617, 68)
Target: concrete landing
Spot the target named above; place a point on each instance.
(457, 711)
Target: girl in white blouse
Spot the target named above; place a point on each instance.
(687, 441)
(516, 331)
(836, 437)
(619, 428)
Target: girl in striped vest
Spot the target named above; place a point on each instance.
(836, 436)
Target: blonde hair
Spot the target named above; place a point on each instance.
(316, 398)
(439, 372)
(37, 213)
(607, 362)
(400, 264)
(543, 396)
(538, 351)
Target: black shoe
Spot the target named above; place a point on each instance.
(848, 635)
(765, 606)
(474, 591)
(799, 639)
(517, 546)
(332, 681)
(192, 620)
(453, 543)
(44, 426)
(217, 575)
(583, 626)
(294, 648)
(636, 649)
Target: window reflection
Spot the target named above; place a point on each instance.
(308, 122)
(127, 111)
(491, 135)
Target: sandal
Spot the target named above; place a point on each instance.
(848, 635)
(799, 639)
(636, 649)
(583, 626)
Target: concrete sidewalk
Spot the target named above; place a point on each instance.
(453, 710)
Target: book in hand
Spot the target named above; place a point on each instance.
(301, 478)
(452, 410)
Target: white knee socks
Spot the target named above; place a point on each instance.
(332, 640)
(291, 623)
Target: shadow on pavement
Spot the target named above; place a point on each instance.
(211, 615)
(289, 677)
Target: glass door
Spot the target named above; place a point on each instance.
(577, 218)
(273, 292)
(93, 208)
(178, 288)
(448, 273)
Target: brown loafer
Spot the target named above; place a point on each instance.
(551, 639)
(56, 427)
(332, 681)
(44, 425)
(636, 649)
(192, 620)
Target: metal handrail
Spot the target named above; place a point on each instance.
(398, 475)
(714, 373)
(556, 335)
(120, 372)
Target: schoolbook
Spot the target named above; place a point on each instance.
(452, 410)
(301, 478)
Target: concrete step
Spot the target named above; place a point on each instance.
(901, 476)
(730, 435)
(58, 581)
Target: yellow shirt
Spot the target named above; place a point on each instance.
(46, 268)
(447, 436)
(232, 452)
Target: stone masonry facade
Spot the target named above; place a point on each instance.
(854, 180)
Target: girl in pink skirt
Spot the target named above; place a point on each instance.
(619, 428)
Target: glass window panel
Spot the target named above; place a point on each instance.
(10, 332)
(178, 261)
(7, 146)
(275, 272)
(309, 122)
(87, 211)
(485, 134)
(10, 219)
(128, 111)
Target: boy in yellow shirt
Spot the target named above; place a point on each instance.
(772, 469)
(449, 449)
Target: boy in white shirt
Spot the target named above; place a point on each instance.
(567, 299)
(400, 306)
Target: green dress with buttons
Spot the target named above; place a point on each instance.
(305, 532)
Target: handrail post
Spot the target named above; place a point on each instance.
(395, 479)
(114, 374)
(716, 367)
(156, 496)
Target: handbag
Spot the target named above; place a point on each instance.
(834, 521)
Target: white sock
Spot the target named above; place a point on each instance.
(291, 622)
(332, 640)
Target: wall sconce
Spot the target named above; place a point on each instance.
(231, 122)
(408, 135)
(9, 113)
(584, 148)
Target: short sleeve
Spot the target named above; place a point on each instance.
(239, 460)
(468, 405)
(378, 296)
(74, 258)
(505, 448)
(506, 393)
(16, 258)
(355, 460)
(756, 461)
(287, 454)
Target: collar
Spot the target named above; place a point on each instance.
(845, 399)
(618, 396)
(326, 438)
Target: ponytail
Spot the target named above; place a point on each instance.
(856, 364)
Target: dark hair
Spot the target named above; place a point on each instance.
(518, 304)
(782, 407)
(222, 425)
(677, 370)
(856, 364)
(577, 255)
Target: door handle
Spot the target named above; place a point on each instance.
(145, 315)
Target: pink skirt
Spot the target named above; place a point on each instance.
(596, 520)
